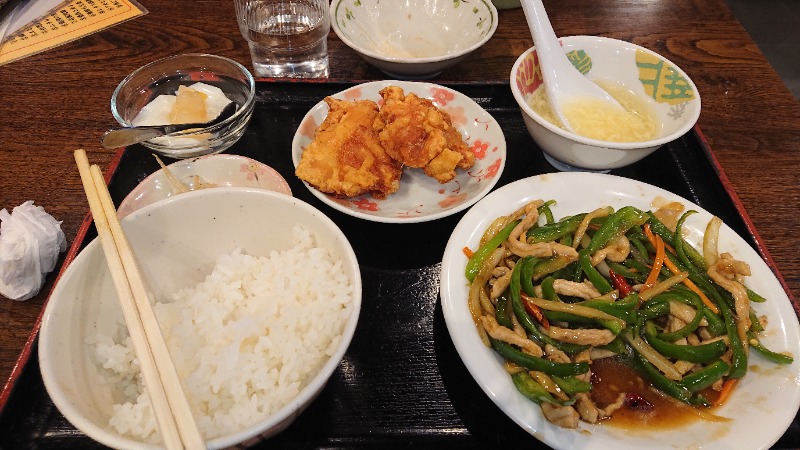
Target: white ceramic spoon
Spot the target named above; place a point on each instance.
(564, 83)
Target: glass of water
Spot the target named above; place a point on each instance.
(287, 38)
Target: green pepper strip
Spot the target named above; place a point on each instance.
(681, 245)
(598, 281)
(567, 272)
(617, 346)
(547, 266)
(626, 272)
(638, 266)
(754, 297)
(550, 294)
(577, 275)
(548, 291)
(705, 377)
(661, 382)
(545, 211)
(688, 298)
(475, 262)
(655, 307)
(623, 309)
(716, 326)
(636, 233)
(531, 362)
(641, 256)
(534, 391)
(560, 316)
(514, 288)
(503, 312)
(700, 279)
(554, 231)
(775, 357)
(614, 326)
(738, 353)
(572, 385)
(700, 354)
(755, 324)
(674, 239)
(617, 223)
(526, 265)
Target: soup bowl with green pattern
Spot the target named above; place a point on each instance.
(662, 100)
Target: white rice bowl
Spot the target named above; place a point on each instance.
(256, 318)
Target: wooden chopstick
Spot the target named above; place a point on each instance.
(170, 406)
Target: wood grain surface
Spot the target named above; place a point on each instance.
(57, 101)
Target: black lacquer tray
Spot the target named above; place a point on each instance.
(403, 383)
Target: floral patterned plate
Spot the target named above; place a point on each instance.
(202, 172)
(420, 197)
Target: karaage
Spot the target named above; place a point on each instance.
(418, 134)
(346, 157)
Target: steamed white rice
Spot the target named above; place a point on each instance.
(245, 341)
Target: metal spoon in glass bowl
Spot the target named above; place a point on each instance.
(564, 83)
(122, 137)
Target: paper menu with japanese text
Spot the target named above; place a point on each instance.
(74, 20)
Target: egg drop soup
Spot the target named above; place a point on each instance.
(594, 119)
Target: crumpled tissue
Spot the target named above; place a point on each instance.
(30, 242)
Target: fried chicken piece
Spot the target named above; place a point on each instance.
(419, 134)
(346, 158)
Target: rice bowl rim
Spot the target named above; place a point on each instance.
(288, 412)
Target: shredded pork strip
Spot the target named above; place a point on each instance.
(617, 251)
(580, 336)
(584, 225)
(542, 249)
(582, 290)
(724, 273)
(563, 416)
(501, 333)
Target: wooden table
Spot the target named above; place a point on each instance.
(57, 101)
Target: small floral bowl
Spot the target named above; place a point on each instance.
(663, 88)
(200, 173)
(413, 39)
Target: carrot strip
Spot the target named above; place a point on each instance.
(658, 262)
(727, 389)
(468, 251)
(690, 284)
(674, 269)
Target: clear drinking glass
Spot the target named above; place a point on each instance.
(287, 38)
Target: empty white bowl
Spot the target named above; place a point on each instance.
(667, 92)
(177, 242)
(413, 39)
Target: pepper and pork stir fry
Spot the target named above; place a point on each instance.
(552, 296)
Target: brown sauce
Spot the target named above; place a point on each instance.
(612, 376)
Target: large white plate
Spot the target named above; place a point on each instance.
(420, 197)
(765, 401)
